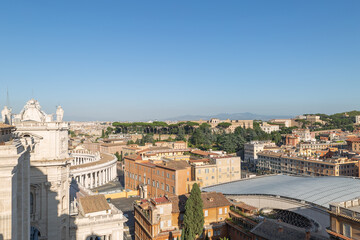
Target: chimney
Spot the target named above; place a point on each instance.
(307, 235)
(280, 229)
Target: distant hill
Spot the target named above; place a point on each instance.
(232, 116)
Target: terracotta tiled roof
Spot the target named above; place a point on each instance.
(175, 165)
(210, 200)
(94, 203)
(245, 206)
(353, 139)
(160, 200)
(3, 125)
(134, 157)
(201, 153)
(199, 160)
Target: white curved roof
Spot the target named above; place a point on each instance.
(318, 190)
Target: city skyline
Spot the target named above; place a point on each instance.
(137, 62)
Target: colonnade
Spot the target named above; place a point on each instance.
(82, 160)
(96, 178)
(83, 156)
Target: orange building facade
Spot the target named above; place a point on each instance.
(162, 218)
(157, 178)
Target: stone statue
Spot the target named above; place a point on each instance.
(59, 114)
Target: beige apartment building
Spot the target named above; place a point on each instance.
(234, 123)
(288, 164)
(314, 119)
(173, 145)
(216, 170)
(321, 146)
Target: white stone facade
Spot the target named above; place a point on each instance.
(35, 181)
(106, 226)
(14, 190)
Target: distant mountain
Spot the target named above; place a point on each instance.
(232, 116)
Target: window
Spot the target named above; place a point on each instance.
(209, 234)
(206, 170)
(153, 183)
(169, 223)
(167, 187)
(206, 213)
(173, 190)
(161, 224)
(219, 169)
(173, 176)
(212, 177)
(347, 230)
(162, 186)
(161, 210)
(225, 210)
(199, 171)
(220, 210)
(157, 184)
(139, 178)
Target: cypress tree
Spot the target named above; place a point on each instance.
(194, 216)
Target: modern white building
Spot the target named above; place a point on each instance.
(357, 119)
(269, 128)
(252, 148)
(304, 135)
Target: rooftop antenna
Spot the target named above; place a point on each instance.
(7, 98)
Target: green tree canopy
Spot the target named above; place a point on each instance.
(223, 125)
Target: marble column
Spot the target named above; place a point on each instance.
(96, 179)
(91, 180)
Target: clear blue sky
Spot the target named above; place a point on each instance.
(139, 60)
